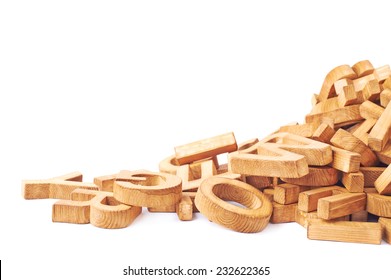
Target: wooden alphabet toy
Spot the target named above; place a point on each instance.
(330, 174)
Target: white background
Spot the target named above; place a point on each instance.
(100, 86)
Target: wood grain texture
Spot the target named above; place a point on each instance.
(339, 72)
(205, 166)
(357, 232)
(387, 84)
(385, 97)
(42, 189)
(192, 196)
(362, 130)
(345, 161)
(340, 85)
(154, 190)
(304, 130)
(169, 165)
(184, 209)
(370, 110)
(371, 174)
(308, 200)
(205, 148)
(361, 216)
(269, 193)
(323, 133)
(259, 182)
(75, 176)
(381, 131)
(95, 207)
(163, 209)
(270, 161)
(343, 116)
(317, 177)
(247, 144)
(353, 182)
(283, 213)
(327, 105)
(372, 91)
(211, 201)
(55, 189)
(348, 141)
(347, 97)
(383, 182)
(314, 99)
(304, 218)
(191, 180)
(288, 193)
(386, 227)
(380, 74)
(316, 153)
(339, 205)
(385, 155)
(379, 205)
(105, 183)
(363, 68)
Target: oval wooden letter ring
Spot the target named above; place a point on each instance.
(149, 189)
(211, 200)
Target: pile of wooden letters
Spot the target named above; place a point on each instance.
(330, 174)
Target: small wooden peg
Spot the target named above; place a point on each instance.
(184, 209)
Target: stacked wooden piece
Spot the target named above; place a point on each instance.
(331, 174)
